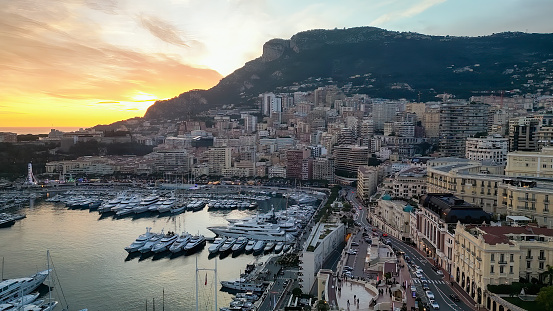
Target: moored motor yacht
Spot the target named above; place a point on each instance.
(227, 246)
(217, 243)
(259, 246)
(250, 245)
(165, 242)
(279, 246)
(269, 246)
(240, 245)
(150, 243)
(14, 288)
(243, 285)
(140, 241)
(180, 242)
(195, 242)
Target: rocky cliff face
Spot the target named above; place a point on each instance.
(379, 63)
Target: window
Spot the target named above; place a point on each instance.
(492, 257)
(501, 257)
(541, 265)
(511, 270)
(511, 258)
(500, 269)
(528, 264)
(491, 269)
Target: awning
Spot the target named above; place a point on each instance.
(428, 244)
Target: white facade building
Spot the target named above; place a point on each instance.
(492, 148)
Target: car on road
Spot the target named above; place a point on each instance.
(351, 252)
(354, 244)
(454, 297)
(425, 286)
(348, 273)
(434, 305)
(384, 234)
(430, 294)
(418, 274)
(348, 268)
(439, 272)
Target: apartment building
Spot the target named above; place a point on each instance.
(499, 255)
(407, 184)
(349, 158)
(219, 159)
(530, 164)
(471, 181)
(367, 181)
(491, 148)
(458, 121)
(323, 169)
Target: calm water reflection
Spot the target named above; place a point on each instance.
(94, 270)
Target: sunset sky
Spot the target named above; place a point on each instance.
(87, 62)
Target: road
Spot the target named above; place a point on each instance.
(440, 286)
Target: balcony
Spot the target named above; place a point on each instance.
(478, 258)
(541, 258)
(529, 257)
(502, 262)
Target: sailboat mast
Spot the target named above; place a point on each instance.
(196, 283)
(215, 285)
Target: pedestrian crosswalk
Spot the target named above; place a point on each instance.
(417, 281)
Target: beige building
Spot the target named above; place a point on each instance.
(431, 122)
(407, 184)
(367, 181)
(219, 159)
(499, 255)
(393, 217)
(528, 198)
(469, 180)
(530, 164)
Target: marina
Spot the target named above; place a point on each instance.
(94, 256)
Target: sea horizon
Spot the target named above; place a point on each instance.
(35, 130)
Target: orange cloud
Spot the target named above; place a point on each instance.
(55, 68)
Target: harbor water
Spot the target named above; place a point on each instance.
(95, 272)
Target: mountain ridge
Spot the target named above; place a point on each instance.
(389, 64)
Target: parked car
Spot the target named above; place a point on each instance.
(454, 297)
(434, 305)
(354, 244)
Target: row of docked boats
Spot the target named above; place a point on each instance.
(163, 242)
(224, 245)
(8, 219)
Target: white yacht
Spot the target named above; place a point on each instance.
(227, 246)
(165, 242)
(180, 242)
(269, 246)
(259, 246)
(140, 241)
(279, 246)
(243, 285)
(14, 288)
(250, 245)
(217, 243)
(150, 243)
(145, 204)
(240, 244)
(194, 243)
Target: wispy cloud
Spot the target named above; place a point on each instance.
(410, 11)
(162, 30)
